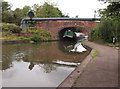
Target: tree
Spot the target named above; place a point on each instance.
(110, 24)
(48, 10)
(111, 15)
(25, 11)
(35, 8)
(45, 10)
(17, 16)
(112, 11)
(5, 6)
(76, 16)
(7, 15)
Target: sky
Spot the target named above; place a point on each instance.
(82, 8)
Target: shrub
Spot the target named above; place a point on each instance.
(106, 30)
(9, 38)
(46, 33)
(10, 27)
(21, 37)
(33, 31)
(36, 38)
(40, 32)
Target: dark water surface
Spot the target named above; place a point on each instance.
(44, 64)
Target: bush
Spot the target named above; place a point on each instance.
(36, 38)
(9, 38)
(106, 30)
(10, 27)
(21, 37)
(46, 33)
(33, 31)
(40, 32)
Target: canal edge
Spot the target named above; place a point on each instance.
(73, 76)
(24, 41)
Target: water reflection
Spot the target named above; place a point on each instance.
(22, 61)
(42, 53)
(75, 47)
(78, 48)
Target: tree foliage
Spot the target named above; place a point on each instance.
(7, 15)
(48, 10)
(106, 30)
(5, 6)
(25, 11)
(112, 11)
(15, 16)
(110, 24)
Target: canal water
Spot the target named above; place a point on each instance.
(44, 64)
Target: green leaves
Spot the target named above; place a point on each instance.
(17, 16)
(46, 10)
(110, 24)
(95, 53)
(106, 30)
(10, 28)
(112, 11)
(5, 6)
(25, 11)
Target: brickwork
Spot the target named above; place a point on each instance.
(54, 27)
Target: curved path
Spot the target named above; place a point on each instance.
(102, 70)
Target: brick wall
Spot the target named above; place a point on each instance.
(55, 26)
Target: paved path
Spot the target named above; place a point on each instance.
(102, 71)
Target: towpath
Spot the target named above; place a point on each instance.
(102, 70)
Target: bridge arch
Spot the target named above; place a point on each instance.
(57, 28)
(74, 29)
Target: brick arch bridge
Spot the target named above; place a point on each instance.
(54, 27)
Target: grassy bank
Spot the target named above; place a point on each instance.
(13, 32)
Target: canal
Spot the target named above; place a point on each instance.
(44, 64)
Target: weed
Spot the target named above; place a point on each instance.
(79, 76)
(36, 38)
(9, 38)
(95, 53)
(21, 37)
(84, 69)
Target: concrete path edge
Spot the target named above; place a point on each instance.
(70, 80)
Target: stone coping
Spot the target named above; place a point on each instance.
(69, 81)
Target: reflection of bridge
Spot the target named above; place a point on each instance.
(57, 26)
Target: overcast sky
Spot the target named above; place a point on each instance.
(82, 8)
